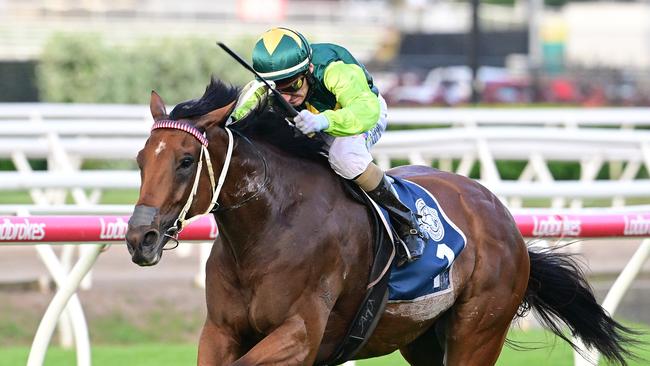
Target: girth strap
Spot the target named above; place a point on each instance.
(374, 303)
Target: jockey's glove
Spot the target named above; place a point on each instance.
(309, 123)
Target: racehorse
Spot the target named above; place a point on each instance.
(292, 261)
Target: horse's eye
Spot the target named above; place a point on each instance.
(186, 162)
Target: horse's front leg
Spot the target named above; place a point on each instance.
(216, 346)
(295, 342)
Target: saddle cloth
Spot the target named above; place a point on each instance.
(428, 275)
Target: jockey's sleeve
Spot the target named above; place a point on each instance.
(359, 110)
(249, 98)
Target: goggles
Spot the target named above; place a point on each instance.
(294, 86)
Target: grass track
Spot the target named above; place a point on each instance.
(554, 352)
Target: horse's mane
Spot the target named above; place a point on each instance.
(217, 94)
(266, 122)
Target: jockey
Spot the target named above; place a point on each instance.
(335, 96)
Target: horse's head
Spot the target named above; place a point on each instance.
(175, 172)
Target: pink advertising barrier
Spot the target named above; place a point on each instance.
(89, 229)
(104, 229)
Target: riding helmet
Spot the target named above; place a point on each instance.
(281, 53)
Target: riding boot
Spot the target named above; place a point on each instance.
(404, 220)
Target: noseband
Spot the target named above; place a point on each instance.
(181, 221)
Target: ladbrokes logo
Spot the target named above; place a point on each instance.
(550, 226)
(113, 230)
(638, 225)
(21, 231)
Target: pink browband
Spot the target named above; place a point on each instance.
(183, 126)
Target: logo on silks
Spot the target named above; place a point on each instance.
(429, 221)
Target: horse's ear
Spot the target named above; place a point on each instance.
(157, 107)
(215, 118)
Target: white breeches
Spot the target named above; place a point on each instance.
(349, 156)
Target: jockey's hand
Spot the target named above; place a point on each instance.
(308, 122)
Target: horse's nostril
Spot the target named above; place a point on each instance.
(150, 238)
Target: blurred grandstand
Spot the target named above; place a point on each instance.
(559, 55)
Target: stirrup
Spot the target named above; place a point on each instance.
(405, 255)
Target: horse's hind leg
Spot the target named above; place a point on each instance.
(477, 342)
(471, 333)
(479, 320)
(426, 350)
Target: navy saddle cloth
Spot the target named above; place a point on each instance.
(428, 275)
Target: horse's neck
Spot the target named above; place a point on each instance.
(259, 184)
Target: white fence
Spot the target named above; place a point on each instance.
(66, 135)
(617, 139)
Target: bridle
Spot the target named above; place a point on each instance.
(182, 221)
(214, 207)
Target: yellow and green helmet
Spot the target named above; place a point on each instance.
(281, 53)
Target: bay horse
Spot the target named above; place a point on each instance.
(291, 264)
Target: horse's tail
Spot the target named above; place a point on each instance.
(558, 290)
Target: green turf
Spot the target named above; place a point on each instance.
(109, 196)
(549, 351)
(543, 349)
(136, 355)
(119, 196)
(14, 197)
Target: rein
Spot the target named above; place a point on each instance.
(217, 208)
